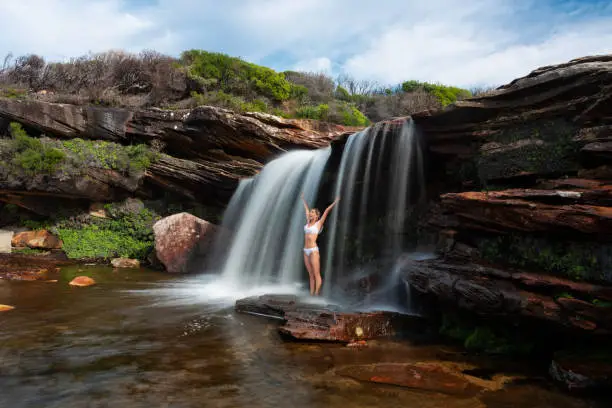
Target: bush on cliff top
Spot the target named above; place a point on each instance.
(117, 78)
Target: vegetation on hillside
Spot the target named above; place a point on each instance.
(199, 77)
(30, 156)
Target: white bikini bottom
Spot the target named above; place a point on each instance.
(309, 251)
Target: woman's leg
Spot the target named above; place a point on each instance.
(310, 274)
(315, 261)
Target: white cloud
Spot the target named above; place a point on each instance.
(465, 58)
(321, 64)
(66, 28)
(460, 42)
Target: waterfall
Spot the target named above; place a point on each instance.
(379, 168)
(380, 198)
(266, 215)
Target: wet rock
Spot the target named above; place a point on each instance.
(37, 240)
(82, 281)
(6, 308)
(423, 376)
(30, 267)
(311, 322)
(182, 241)
(489, 290)
(125, 263)
(530, 211)
(582, 372)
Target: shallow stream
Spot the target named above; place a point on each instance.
(148, 339)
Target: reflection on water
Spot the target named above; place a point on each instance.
(146, 339)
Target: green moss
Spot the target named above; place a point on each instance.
(126, 234)
(480, 338)
(28, 251)
(574, 260)
(602, 303)
(534, 147)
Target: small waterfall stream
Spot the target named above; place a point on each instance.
(266, 215)
(379, 168)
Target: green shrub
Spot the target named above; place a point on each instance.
(108, 155)
(100, 243)
(337, 112)
(217, 71)
(125, 234)
(320, 112)
(32, 155)
(13, 93)
(445, 94)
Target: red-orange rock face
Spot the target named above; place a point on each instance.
(36, 240)
(180, 239)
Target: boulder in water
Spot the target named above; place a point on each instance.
(37, 240)
(182, 239)
(125, 263)
(82, 281)
(6, 308)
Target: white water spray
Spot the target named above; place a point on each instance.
(266, 214)
(267, 241)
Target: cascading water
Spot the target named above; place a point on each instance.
(380, 198)
(378, 169)
(267, 234)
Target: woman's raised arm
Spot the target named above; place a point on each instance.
(327, 210)
(305, 207)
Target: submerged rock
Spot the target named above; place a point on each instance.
(82, 281)
(423, 376)
(312, 322)
(181, 240)
(125, 263)
(582, 372)
(36, 240)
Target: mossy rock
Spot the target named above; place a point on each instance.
(579, 261)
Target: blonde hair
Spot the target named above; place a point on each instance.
(316, 210)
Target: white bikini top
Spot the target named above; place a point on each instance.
(314, 229)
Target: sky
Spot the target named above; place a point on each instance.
(467, 43)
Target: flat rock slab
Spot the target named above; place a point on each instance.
(423, 376)
(313, 322)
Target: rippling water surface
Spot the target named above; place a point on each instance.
(147, 339)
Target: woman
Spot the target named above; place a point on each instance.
(313, 227)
